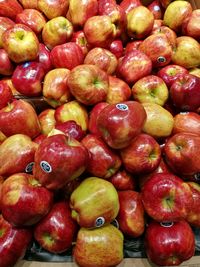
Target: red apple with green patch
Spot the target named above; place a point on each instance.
(6, 95)
(10, 8)
(123, 180)
(187, 122)
(52, 9)
(5, 24)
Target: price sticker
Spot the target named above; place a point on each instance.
(99, 221)
(122, 107)
(45, 166)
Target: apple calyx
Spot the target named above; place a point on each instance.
(20, 35)
(48, 239)
(166, 224)
(34, 182)
(168, 201)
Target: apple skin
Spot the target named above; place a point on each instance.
(139, 22)
(57, 31)
(170, 34)
(13, 242)
(133, 66)
(116, 47)
(181, 154)
(21, 191)
(99, 247)
(6, 95)
(120, 123)
(21, 43)
(100, 152)
(172, 197)
(156, 9)
(17, 151)
(10, 8)
(5, 24)
(158, 48)
(190, 25)
(6, 65)
(143, 155)
(88, 84)
(171, 72)
(52, 9)
(29, 4)
(128, 5)
(56, 231)
(132, 45)
(58, 160)
(19, 117)
(27, 78)
(32, 18)
(187, 122)
(67, 55)
(79, 38)
(44, 58)
(72, 129)
(131, 213)
(122, 180)
(169, 245)
(39, 139)
(47, 120)
(102, 202)
(185, 93)
(195, 71)
(151, 89)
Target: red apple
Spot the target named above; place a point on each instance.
(193, 216)
(71, 128)
(10, 8)
(187, 122)
(5, 24)
(6, 95)
(156, 9)
(44, 57)
(47, 120)
(29, 4)
(79, 38)
(56, 231)
(53, 9)
(132, 45)
(170, 243)
(128, 5)
(6, 65)
(190, 26)
(116, 47)
(157, 24)
(39, 139)
(120, 123)
(59, 159)
(170, 34)
(122, 180)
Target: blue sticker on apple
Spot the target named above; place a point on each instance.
(29, 167)
(166, 224)
(45, 166)
(99, 221)
(122, 106)
(161, 59)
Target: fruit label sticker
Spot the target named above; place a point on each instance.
(45, 166)
(29, 167)
(122, 107)
(115, 223)
(99, 221)
(26, 64)
(166, 224)
(161, 59)
(197, 176)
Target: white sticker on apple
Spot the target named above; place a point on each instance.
(45, 166)
(197, 176)
(29, 167)
(99, 221)
(161, 59)
(122, 107)
(166, 224)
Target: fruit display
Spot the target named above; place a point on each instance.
(99, 130)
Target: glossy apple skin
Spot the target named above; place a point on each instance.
(6, 95)
(47, 120)
(190, 25)
(169, 246)
(122, 180)
(29, 4)
(10, 8)
(116, 47)
(19, 117)
(187, 122)
(131, 213)
(71, 128)
(29, 193)
(170, 34)
(17, 151)
(103, 247)
(27, 78)
(172, 197)
(13, 242)
(53, 9)
(120, 123)
(6, 65)
(56, 231)
(156, 9)
(158, 49)
(102, 202)
(79, 38)
(181, 154)
(185, 93)
(67, 55)
(5, 23)
(66, 158)
(128, 5)
(21, 43)
(100, 152)
(143, 155)
(133, 66)
(44, 58)
(132, 45)
(171, 72)
(32, 18)
(39, 139)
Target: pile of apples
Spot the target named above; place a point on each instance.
(99, 123)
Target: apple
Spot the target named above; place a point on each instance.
(6, 65)
(72, 110)
(68, 55)
(99, 31)
(79, 38)
(103, 59)
(32, 18)
(132, 45)
(123, 180)
(16, 152)
(5, 24)
(120, 123)
(44, 58)
(102, 202)
(100, 152)
(190, 25)
(172, 197)
(67, 189)
(71, 128)
(56, 231)
(128, 5)
(21, 43)
(133, 66)
(158, 48)
(116, 47)
(156, 9)
(175, 13)
(139, 22)
(99, 247)
(10, 8)
(118, 91)
(59, 159)
(195, 71)
(185, 93)
(29, 4)
(159, 122)
(170, 243)
(38, 140)
(47, 120)
(187, 122)
(143, 155)
(88, 84)
(53, 9)
(13, 242)
(181, 154)
(19, 117)
(151, 89)
(171, 72)
(187, 52)
(6, 95)
(170, 34)
(131, 213)
(57, 31)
